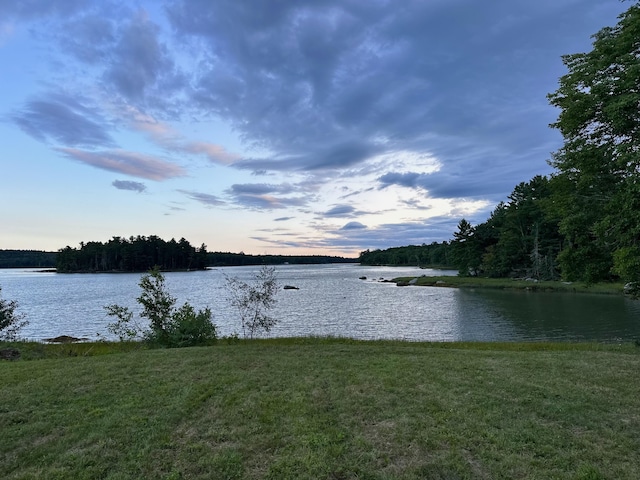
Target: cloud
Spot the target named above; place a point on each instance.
(283, 219)
(215, 153)
(450, 184)
(89, 38)
(353, 226)
(33, 9)
(407, 179)
(329, 86)
(264, 196)
(63, 119)
(128, 185)
(268, 202)
(355, 235)
(139, 61)
(340, 211)
(204, 198)
(323, 157)
(339, 106)
(129, 163)
(260, 189)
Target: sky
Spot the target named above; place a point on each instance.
(294, 127)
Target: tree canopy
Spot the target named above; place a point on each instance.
(596, 189)
(136, 254)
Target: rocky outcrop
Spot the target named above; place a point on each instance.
(632, 288)
(64, 339)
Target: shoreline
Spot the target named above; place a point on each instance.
(511, 284)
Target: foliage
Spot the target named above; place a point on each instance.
(11, 322)
(253, 301)
(126, 327)
(168, 326)
(520, 238)
(227, 259)
(26, 259)
(597, 183)
(137, 254)
(434, 254)
(188, 327)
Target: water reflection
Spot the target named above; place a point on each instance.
(560, 316)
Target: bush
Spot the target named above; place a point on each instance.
(10, 321)
(188, 327)
(168, 326)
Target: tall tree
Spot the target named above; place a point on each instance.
(599, 163)
(466, 251)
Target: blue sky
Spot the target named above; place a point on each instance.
(281, 127)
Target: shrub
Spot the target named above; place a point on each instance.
(253, 301)
(10, 321)
(168, 326)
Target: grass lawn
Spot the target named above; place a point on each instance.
(323, 408)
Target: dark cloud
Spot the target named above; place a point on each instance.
(205, 198)
(264, 196)
(260, 189)
(128, 185)
(472, 183)
(139, 60)
(353, 226)
(340, 211)
(407, 179)
(129, 163)
(34, 9)
(343, 155)
(65, 120)
(283, 219)
(300, 75)
(268, 202)
(89, 38)
(129, 59)
(322, 94)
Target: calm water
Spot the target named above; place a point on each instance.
(332, 300)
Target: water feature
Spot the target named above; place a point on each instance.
(332, 300)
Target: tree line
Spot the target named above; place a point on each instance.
(227, 259)
(583, 221)
(432, 255)
(140, 254)
(135, 254)
(27, 258)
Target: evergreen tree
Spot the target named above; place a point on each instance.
(596, 187)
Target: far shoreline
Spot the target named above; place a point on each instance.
(531, 285)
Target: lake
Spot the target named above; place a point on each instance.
(332, 300)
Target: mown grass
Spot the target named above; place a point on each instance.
(325, 408)
(508, 283)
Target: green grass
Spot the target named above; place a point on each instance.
(508, 283)
(324, 408)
